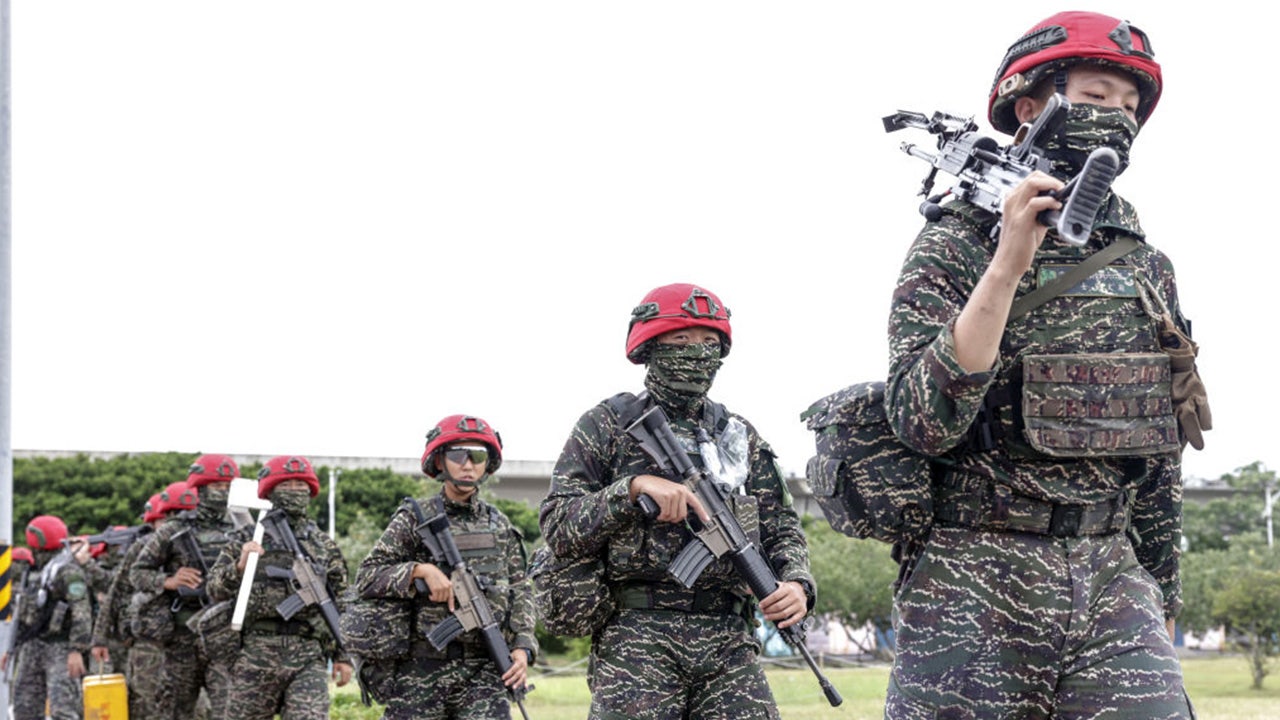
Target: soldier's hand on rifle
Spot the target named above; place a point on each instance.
(80, 550)
(1020, 231)
(517, 675)
(341, 673)
(674, 499)
(75, 664)
(100, 653)
(245, 551)
(438, 583)
(785, 606)
(184, 577)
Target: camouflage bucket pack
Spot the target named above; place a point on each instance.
(377, 628)
(868, 484)
(212, 626)
(571, 594)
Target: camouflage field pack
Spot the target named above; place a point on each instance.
(571, 594)
(868, 484)
(212, 625)
(377, 628)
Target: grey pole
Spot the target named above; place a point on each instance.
(6, 342)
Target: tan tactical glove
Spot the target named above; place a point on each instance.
(1190, 401)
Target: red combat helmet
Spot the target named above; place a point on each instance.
(675, 307)
(286, 467)
(22, 554)
(460, 428)
(46, 532)
(178, 496)
(1067, 39)
(212, 468)
(153, 510)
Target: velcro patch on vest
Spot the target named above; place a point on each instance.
(1094, 405)
(1110, 281)
(475, 541)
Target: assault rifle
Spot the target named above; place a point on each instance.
(986, 172)
(471, 607)
(120, 537)
(722, 535)
(190, 550)
(310, 587)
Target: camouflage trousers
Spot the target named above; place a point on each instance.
(999, 625)
(42, 674)
(285, 674)
(189, 672)
(150, 692)
(461, 689)
(670, 665)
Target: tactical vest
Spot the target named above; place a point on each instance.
(261, 616)
(1087, 376)
(642, 550)
(481, 541)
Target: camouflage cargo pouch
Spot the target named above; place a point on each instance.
(1099, 405)
(868, 484)
(149, 616)
(212, 625)
(377, 628)
(571, 594)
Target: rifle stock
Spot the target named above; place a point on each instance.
(723, 535)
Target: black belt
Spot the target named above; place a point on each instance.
(670, 597)
(452, 651)
(270, 626)
(1000, 510)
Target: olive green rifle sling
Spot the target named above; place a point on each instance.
(1117, 249)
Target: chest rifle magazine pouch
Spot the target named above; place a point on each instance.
(1098, 404)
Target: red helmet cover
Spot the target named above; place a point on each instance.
(212, 468)
(1071, 38)
(675, 307)
(460, 428)
(286, 467)
(46, 532)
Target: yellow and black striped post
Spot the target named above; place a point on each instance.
(6, 581)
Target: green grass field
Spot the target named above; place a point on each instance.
(1218, 685)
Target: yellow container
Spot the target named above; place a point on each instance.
(105, 697)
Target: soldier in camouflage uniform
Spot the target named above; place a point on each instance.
(1045, 585)
(113, 639)
(53, 630)
(282, 666)
(461, 681)
(671, 652)
(174, 564)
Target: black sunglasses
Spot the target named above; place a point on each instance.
(460, 455)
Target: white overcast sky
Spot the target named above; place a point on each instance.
(318, 227)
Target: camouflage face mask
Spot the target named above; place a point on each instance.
(681, 375)
(1087, 128)
(213, 499)
(293, 502)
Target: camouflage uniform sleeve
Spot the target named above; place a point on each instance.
(929, 398)
(780, 531)
(148, 572)
(223, 582)
(522, 615)
(76, 589)
(1156, 527)
(586, 505)
(98, 577)
(387, 571)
